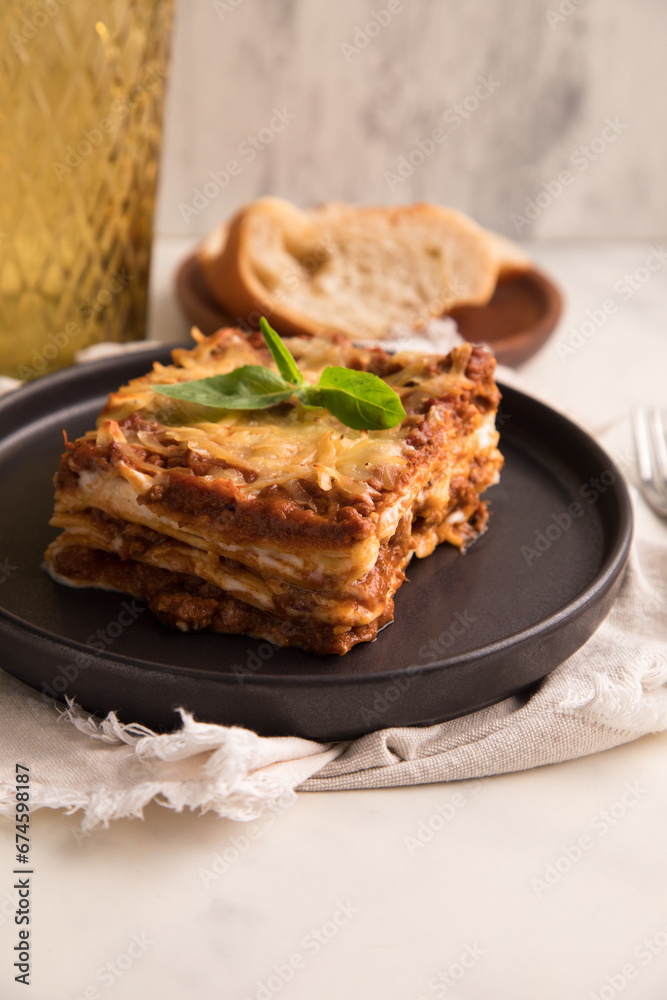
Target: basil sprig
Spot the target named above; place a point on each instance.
(358, 399)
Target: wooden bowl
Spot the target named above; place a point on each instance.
(519, 318)
(516, 322)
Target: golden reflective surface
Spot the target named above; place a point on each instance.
(81, 96)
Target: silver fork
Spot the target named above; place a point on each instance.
(651, 447)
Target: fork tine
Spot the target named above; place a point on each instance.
(660, 449)
(644, 460)
(651, 446)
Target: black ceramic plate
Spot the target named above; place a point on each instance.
(469, 630)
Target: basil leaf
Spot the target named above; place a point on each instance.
(310, 396)
(251, 387)
(282, 357)
(359, 399)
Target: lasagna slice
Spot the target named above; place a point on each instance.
(281, 523)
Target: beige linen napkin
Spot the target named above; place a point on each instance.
(610, 692)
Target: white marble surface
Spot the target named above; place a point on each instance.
(552, 82)
(470, 885)
(480, 886)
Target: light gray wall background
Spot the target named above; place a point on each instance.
(558, 70)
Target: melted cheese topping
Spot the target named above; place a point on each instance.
(281, 445)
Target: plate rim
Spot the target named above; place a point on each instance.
(613, 565)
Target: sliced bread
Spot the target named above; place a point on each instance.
(341, 267)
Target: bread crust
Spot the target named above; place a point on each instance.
(227, 261)
(512, 259)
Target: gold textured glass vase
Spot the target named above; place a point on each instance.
(81, 95)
